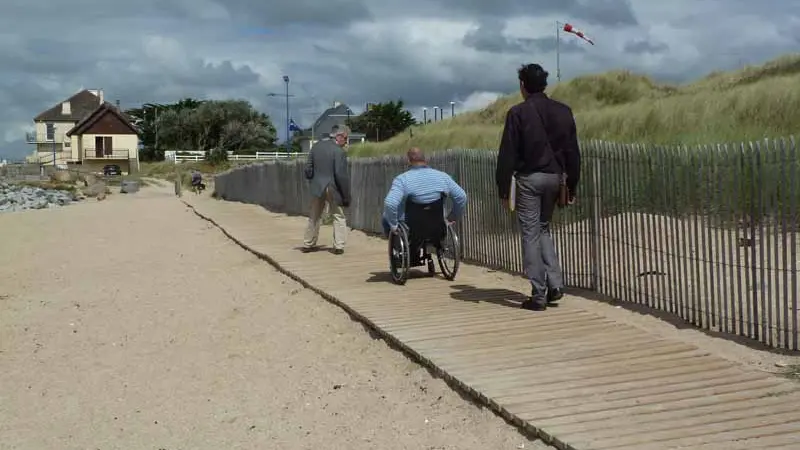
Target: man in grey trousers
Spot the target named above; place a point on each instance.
(539, 148)
(326, 169)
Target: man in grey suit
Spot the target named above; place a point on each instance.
(326, 169)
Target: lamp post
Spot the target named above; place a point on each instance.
(424, 115)
(452, 109)
(435, 112)
(286, 96)
(288, 147)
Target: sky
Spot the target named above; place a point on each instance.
(425, 52)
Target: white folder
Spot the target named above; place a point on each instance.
(512, 196)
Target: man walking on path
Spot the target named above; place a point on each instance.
(539, 147)
(326, 169)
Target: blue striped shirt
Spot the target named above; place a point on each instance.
(423, 185)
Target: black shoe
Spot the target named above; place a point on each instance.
(554, 295)
(533, 305)
(338, 251)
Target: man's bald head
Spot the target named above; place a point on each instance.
(415, 156)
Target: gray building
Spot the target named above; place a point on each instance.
(336, 115)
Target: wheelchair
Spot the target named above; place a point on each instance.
(423, 233)
(198, 187)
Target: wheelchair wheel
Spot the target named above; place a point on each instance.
(449, 254)
(399, 256)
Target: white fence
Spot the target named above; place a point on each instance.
(199, 155)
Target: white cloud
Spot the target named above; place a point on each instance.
(477, 100)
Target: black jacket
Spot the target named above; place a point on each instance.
(523, 149)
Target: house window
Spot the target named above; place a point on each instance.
(51, 131)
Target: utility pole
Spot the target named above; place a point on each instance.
(452, 109)
(424, 115)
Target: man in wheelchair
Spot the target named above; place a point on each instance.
(197, 181)
(414, 218)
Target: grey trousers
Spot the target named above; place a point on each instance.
(537, 195)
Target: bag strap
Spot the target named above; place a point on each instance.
(546, 136)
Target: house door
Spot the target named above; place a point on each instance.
(99, 144)
(103, 146)
(108, 150)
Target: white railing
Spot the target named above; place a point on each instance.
(198, 155)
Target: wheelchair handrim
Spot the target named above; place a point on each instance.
(398, 261)
(448, 254)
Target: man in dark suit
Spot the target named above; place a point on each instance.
(326, 169)
(539, 147)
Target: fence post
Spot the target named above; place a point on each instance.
(595, 224)
(178, 187)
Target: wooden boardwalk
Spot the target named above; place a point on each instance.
(576, 378)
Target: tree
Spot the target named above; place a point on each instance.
(223, 125)
(382, 121)
(146, 119)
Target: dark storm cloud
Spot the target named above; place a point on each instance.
(274, 14)
(42, 56)
(643, 46)
(597, 12)
(489, 37)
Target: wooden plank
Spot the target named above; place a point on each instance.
(671, 416)
(577, 376)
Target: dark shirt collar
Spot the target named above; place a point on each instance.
(422, 166)
(536, 96)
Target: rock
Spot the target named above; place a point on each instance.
(15, 198)
(61, 176)
(129, 187)
(95, 189)
(89, 179)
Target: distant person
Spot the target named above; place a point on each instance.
(420, 184)
(326, 169)
(539, 147)
(197, 181)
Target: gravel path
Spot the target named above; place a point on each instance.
(132, 324)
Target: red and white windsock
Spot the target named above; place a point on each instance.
(570, 29)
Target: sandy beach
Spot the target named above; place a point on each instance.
(132, 324)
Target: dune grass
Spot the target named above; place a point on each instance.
(749, 104)
(169, 171)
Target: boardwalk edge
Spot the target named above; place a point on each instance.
(526, 427)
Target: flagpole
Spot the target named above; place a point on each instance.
(558, 51)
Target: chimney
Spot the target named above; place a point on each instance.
(336, 104)
(102, 97)
(66, 108)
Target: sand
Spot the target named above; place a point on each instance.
(132, 324)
